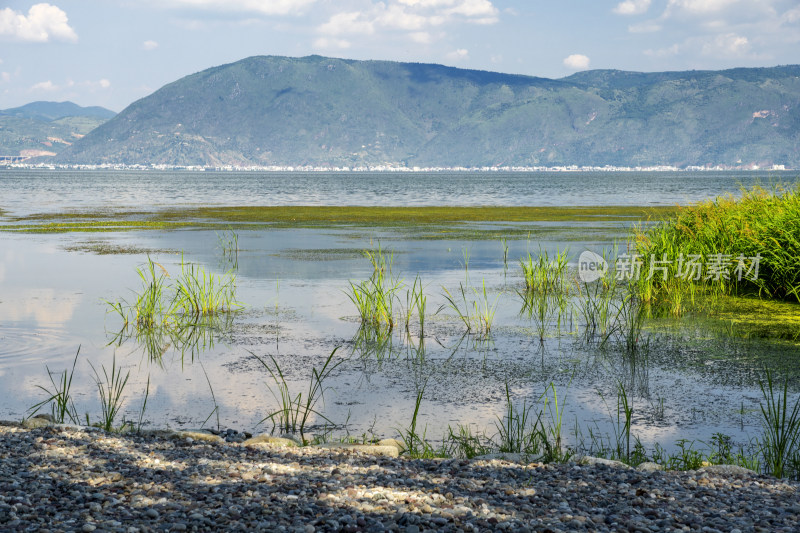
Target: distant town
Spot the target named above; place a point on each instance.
(7, 163)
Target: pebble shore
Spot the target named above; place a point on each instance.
(59, 478)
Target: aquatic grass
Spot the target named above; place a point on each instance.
(740, 245)
(515, 432)
(148, 308)
(540, 308)
(552, 437)
(194, 295)
(546, 275)
(144, 405)
(545, 297)
(484, 310)
(462, 442)
(375, 297)
(780, 443)
(416, 302)
(228, 242)
(373, 342)
(456, 305)
(199, 293)
(215, 410)
(477, 312)
(295, 410)
(595, 304)
(60, 398)
(110, 387)
(416, 444)
(504, 243)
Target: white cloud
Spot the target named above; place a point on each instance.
(793, 15)
(416, 17)
(47, 86)
(70, 85)
(700, 6)
(5, 77)
(632, 7)
(42, 23)
(729, 44)
(265, 7)
(461, 53)
(347, 23)
(149, 45)
(576, 62)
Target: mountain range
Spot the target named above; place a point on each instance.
(46, 128)
(321, 111)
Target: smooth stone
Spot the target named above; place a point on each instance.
(36, 422)
(371, 449)
(649, 467)
(269, 440)
(198, 436)
(589, 460)
(393, 442)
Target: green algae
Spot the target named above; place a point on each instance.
(435, 222)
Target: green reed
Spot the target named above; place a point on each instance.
(416, 444)
(545, 274)
(476, 312)
(228, 243)
(726, 233)
(111, 387)
(375, 297)
(519, 431)
(780, 443)
(199, 293)
(60, 398)
(192, 296)
(416, 302)
(149, 306)
(462, 442)
(295, 410)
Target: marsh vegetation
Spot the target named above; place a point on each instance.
(510, 332)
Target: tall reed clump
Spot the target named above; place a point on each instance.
(729, 245)
(546, 295)
(172, 305)
(546, 275)
(199, 293)
(111, 387)
(375, 297)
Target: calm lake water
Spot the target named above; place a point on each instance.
(293, 282)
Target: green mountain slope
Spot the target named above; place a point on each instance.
(335, 112)
(42, 128)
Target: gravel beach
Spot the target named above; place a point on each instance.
(78, 479)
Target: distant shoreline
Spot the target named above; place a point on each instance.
(398, 169)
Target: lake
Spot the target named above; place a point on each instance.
(293, 284)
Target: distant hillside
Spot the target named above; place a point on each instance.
(323, 111)
(46, 128)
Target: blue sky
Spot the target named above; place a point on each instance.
(113, 52)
